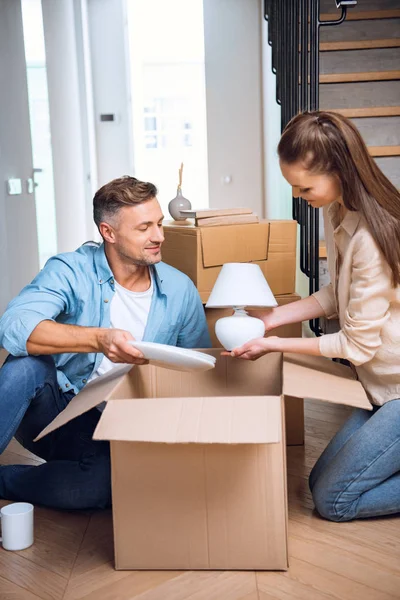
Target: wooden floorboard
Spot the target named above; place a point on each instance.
(72, 558)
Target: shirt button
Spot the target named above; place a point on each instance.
(84, 380)
(100, 281)
(106, 300)
(67, 385)
(112, 281)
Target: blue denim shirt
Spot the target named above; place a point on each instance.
(76, 288)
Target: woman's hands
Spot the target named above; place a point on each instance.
(254, 348)
(294, 312)
(260, 346)
(268, 316)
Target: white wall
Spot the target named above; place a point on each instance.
(232, 32)
(87, 110)
(278, 195)
(67, 134)
(19, 259)
(108, 42)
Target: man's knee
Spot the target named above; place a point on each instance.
(38, 369)
(97, 492)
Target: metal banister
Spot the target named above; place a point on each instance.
(293, 34)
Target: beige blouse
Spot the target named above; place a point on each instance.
(368, 307)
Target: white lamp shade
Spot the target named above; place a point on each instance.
(241, 284)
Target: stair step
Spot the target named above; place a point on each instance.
(379, 131)
(363, 15)
(373, 111)
(390, 165)
(360, 94)
(367, 30)
(384, 150)
(359, 45)
(352, 77)
(374, 60)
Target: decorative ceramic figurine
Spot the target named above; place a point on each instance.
(179, 202)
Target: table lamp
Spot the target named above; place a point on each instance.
(239, 285)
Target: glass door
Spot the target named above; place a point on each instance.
(42, 176)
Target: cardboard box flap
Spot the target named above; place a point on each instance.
(322, 379)
(93, 394)
(221, 420)
(234, 243)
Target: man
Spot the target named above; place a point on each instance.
(70, 325)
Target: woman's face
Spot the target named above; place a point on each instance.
(317, 190)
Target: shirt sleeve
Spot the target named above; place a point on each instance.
(194, 331)
(326, 298)
(50, 294)
(368, 308)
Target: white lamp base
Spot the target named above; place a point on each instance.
(238, 329)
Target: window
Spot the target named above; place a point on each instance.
(168, 96)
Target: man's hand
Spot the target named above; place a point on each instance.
(254, 348)
(54, 338)
(114, 343)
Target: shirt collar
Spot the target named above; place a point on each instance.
(157, 277)
(104, 272)
(350, 221)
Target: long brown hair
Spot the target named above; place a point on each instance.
(326, 142)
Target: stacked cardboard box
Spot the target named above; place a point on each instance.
(213, 217)
(198, 459)
(200, 252)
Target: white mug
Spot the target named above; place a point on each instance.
(17, 526)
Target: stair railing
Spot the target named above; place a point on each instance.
(293, 34)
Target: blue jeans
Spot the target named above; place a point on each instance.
(77, 472)
(358, 474)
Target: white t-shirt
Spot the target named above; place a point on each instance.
(128, 311)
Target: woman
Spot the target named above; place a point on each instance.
(325, 160)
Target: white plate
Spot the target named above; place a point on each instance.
(177, 359)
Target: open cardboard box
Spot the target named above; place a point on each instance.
(198, 459)
(200, 252)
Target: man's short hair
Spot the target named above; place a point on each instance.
(124, 191)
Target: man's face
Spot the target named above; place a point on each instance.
(138, 233)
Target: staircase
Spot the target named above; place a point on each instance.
(360, 75)
(335, 55)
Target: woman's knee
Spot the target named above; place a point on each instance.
(327, 505)
(312, 478)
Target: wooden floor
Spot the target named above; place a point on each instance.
(72, 557)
